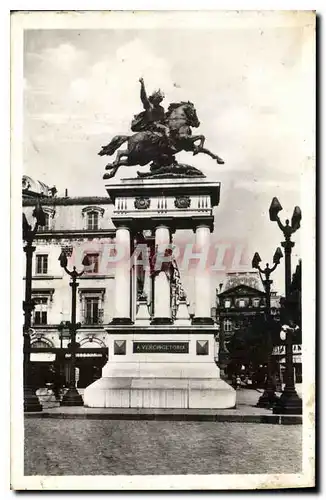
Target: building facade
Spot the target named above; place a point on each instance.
(78, 226)
(239, 300)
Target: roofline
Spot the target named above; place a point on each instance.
(67, 200)
(232, 288)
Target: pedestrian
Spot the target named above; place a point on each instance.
(56, 382)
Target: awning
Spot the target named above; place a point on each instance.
(47, 357)
(296, 359)
(85, 355)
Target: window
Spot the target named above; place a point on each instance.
(227, 303)
(41, 264)
(242, 303)
(92, 216)
(256, 302)
(93, 263)
(46, 226)
(92, 220)
(40, 315)
(92, 311)
(227, 325)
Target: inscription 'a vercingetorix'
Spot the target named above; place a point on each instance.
(161, 347)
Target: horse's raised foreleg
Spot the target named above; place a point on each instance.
(196, 138)
(118, 162)
(111, 174)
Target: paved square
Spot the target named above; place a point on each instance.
(114, 447)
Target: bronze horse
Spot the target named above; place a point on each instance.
(161, 142)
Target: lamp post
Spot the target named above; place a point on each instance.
(31, 402)
(72, 396)
(268, 398)
(289, 402)
(223, 352)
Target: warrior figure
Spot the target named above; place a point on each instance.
(152, 119)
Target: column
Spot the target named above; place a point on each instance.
(122, 277)
(162, 291)
(202, 279)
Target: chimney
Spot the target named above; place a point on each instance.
(66, 193)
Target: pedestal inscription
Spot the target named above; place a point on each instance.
(165, 347)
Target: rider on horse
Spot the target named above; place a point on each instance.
(153, 118)
(158, 136)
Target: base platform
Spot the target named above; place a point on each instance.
(171, 369)
(159, 393)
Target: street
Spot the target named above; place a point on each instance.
(122, 447)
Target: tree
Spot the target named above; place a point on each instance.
(251, 347)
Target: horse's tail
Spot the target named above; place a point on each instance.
(116, 142)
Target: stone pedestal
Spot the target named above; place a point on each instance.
(157, 362)
(169, 367)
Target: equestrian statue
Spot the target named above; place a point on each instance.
(158, 136)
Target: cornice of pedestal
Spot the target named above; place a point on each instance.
(165, 187)
(191, 222)
(176, 203)
(159, 329)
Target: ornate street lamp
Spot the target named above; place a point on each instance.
(223, 354)
(72, 396)
(289, 402)
(268, 398)
(31, 402)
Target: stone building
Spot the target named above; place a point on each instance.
(239, 299)
(79, 226)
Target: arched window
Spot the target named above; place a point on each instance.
(92, 216)
(41, 344)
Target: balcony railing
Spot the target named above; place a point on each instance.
(92, 319)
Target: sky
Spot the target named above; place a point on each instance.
(250, 87)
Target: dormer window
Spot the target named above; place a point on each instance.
(49, 216)
(92, 220)
(92, 217)
(46, 226)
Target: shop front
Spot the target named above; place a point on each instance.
(52, 366)
(279, 353)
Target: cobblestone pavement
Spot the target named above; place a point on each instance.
(88, 447)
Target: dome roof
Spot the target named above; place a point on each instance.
(249, 278)
(33, 187)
